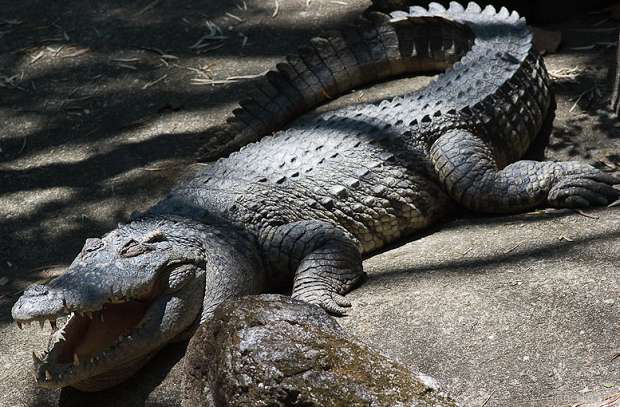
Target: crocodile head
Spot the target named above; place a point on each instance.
(125, 295)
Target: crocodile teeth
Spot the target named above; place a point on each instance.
(35, 358)
(41, 322)
(76, 359)
(89, 314)
(19, 324)
(53, 324)
(48, 375)
(101, 317)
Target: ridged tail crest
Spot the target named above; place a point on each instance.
(379, 47)
(374, 49)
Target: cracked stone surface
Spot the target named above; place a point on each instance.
(272, 350)
(525, 311)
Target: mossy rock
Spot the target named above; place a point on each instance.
(271, 350)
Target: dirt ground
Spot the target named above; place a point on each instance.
(104, 103)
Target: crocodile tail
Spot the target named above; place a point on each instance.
(375, 49)
(501, 83)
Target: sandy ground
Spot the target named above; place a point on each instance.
(103, 105)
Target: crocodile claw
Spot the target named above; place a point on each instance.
(333, 303)
(584, 186)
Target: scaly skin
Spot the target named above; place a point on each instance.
(300, 208)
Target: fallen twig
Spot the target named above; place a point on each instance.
(606, 44)
(244, 39)
(37, 57)
(275, 11)
(611, 400)
(583, 48)
(234, 17)
(601, 22)
(235, 78)
(566, 73)
(153, 49)
(230, 79)
(582, 213)
(77, 53)
(9, 82)
(58, 50)
(125, 59)
(147, 8)
(215, 33)
(149, 84)
(487, 400)
(127, 66)
(579, 98)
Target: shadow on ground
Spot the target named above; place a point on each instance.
(101, 110)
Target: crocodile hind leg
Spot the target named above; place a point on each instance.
(467, 169)
(327, 262)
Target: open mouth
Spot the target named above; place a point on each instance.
(88, 343)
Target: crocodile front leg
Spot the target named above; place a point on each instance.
(467, 169)
(234, 268)
(327, 262)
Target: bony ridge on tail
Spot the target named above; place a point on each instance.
(300, 208)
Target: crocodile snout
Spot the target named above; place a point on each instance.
(38, 303)
(36, 290)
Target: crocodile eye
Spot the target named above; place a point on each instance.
(92, 245)
(133, 248)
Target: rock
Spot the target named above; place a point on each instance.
(273, 350)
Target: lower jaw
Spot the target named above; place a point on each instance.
(114, 376)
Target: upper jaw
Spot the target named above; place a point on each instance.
(39, 304)
(84, 292)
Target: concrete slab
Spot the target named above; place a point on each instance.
(505, 311)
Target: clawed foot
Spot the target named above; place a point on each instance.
(333, 303)
(583, 186)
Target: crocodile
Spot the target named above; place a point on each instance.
(298, 209)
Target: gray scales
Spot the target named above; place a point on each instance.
(300, 208)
